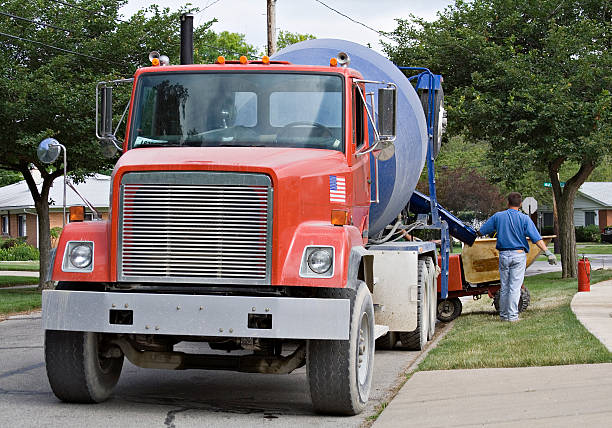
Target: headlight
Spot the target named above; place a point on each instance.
(80, 256)
(320, 260)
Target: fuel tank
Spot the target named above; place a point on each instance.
(398, 176)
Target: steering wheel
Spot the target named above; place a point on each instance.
(287, 128)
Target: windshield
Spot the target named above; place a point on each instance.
(238, 109)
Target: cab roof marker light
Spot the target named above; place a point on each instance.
(265, 59)
(333, 62)
(220, 60)
(243, 59)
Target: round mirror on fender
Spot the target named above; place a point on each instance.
(48, 150)
(386, 152)
(108, 148)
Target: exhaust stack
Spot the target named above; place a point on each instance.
(186, 38)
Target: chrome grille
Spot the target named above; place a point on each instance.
(195, 227)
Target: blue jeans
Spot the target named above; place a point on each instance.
(511, 272)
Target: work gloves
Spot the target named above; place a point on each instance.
(552, 260)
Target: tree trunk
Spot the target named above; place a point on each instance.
(564, 198)
(44, 243)
(41, 202)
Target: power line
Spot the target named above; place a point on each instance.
(43, 24)
(207, 6)
(61, 49)
(93, 12)
(380, 33)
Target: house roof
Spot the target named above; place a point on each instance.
(600, 192)
(95, 189)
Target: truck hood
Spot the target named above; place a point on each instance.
(278, 162)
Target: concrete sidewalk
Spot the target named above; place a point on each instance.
(594, 310)
(18, 273)
(559, 396)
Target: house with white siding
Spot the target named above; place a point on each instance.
(18, 217)
(593, 205)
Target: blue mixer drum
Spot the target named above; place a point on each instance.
(398, 176)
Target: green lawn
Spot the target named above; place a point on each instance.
(593, 248)
(10, 281)
(548, 333)
(19, 300)
(29, 266)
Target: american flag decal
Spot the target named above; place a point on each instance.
(337, 189)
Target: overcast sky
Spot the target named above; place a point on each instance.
(305, 16)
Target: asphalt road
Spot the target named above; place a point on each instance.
(170, 398)
(598, 261)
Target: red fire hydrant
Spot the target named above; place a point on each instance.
(584, 274)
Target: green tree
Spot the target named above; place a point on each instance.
(532, 79)
(286, 38)
(48, 90)
(9, 177)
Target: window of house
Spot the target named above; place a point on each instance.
(5, 224)
(548, 219)
(21, 225)
(589, 218)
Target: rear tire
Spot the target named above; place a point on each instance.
(449, 309)
(417, 339)
(340, 371)
(77, 372)
(524, 300)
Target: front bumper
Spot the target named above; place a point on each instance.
(195, 315)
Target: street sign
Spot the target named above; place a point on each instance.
(529, 205)
(547, 184)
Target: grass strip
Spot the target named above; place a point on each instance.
(19, 300)
(548, 333)
(21, 266)
(10, 281)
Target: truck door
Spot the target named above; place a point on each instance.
(360, 165)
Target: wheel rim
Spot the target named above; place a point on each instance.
(105, 364)
(446, 309)
(363, 349)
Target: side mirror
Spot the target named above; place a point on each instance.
(387, 111)
(106, 112)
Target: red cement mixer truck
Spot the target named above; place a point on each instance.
(258, 208)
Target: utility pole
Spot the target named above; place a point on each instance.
(271, 27)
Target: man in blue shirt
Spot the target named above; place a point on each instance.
(513, 228)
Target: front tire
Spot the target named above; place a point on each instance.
(340, 371)
(77, 371)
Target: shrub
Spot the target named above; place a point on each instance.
(55, 232)
(588, 233)
(12, 242)
(19, 252)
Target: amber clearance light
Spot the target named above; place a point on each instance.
(243, 59)
(339, 217)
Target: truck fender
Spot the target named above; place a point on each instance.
(361, 268)
(97, 232)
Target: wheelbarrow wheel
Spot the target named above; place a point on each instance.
(449, 309)
(524, 300)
